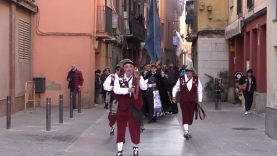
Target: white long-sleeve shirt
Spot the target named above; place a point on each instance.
(124, 91)
(176, 88)
(107, 83)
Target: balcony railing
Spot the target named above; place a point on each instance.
(137, 30)
(104, 20)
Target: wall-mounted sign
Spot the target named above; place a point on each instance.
(233, 29)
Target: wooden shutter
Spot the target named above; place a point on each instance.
(24, 40)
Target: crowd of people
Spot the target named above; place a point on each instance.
(131, 95)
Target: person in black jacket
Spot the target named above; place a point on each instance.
(155, 85)
(173, 75)
(249, 90)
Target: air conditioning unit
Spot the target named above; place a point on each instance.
(125, 15)
(202, 6)
(209, 8)
(97, 46)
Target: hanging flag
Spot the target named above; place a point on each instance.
(154, 33)
(180, 44)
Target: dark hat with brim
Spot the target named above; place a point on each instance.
(191, 69)
(126, 61)
(153, 66)
(117, 66)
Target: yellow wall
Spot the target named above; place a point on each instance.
(219, 15)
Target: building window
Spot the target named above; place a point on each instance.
(24, 41)
(239, 7)
(250, 4)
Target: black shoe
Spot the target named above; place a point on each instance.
(106, 106)
(135, 151)
(119, 153)
(189, 135)
(112, 131)
(174, 112)
(186, 136)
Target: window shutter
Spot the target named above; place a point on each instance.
(24, 40)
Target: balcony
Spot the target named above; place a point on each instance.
(134, 28)
(191, 21)
(180, 7)
(104, 22)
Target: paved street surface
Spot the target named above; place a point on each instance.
(228, 132)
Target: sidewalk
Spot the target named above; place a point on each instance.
(227, 132)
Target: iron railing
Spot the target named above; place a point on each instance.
(104, 19)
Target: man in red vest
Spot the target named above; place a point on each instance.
(190, 94)
(125, 87)
(109, 87)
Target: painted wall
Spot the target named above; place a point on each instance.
(54, 54)
(218, 16)
(271, 55)
(4, 49)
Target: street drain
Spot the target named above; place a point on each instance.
(244, 129)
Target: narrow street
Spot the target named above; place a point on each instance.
(226, 132)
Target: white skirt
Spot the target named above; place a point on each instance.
(158, 111)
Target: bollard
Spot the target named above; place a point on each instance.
(48, 114)
(9, 112)
(79, 101)
(60, 108)
(71, 105)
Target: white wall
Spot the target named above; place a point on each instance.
(4, 50)
(212, 57)
(271, 54)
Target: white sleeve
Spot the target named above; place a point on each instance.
(107, 84)
(200, 91)
(118, 89)
(176, 88)
(142, 83)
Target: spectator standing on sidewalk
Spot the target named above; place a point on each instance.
(248, 84)
(75, 81)
(98, 86)
(190, 89)
(105, 74)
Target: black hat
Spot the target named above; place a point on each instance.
(127, 61)
(250, 71)
(153, 65)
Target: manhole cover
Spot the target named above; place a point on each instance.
(244, 129)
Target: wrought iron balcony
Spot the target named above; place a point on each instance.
(136, 29)
(104, 22)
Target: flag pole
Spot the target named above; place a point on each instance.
(154, 11)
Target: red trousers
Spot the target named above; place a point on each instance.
(123, 119)
(112, 119)
(187, 109)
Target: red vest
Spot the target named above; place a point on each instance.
(125, 100)
(185, 94)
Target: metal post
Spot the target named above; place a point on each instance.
(48, 114)
(61, 108)
(79, 101)
(9, 112)
(71, 105)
